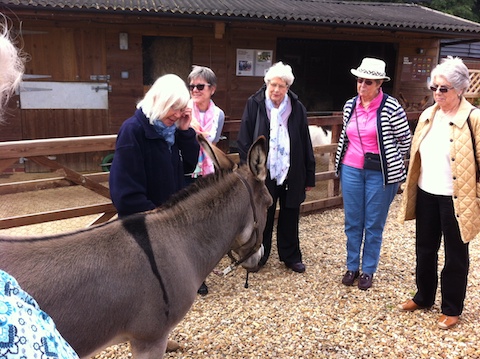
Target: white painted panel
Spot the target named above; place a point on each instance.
(63, 95)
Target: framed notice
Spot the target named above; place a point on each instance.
(417, 68)
(252, 62)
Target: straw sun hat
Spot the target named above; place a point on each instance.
(371, 68)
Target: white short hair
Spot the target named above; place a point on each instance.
(168, 92)
(282, 71)
(454, 71)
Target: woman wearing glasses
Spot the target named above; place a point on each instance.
(207, 118)
(441, 191)
(154, 149)
(275, 112)
(370, 162)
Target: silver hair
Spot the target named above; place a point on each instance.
(168, 92)
(454, 71)
(12, 65)
(203, 72)
(282, 71)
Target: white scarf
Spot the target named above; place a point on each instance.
(278, 161)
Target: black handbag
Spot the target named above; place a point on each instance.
(372, 161)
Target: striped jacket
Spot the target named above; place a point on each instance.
(393, 136)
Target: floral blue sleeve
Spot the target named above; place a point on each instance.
(25, 330)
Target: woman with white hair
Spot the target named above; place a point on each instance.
(275, 112)
(441, 191)
(155, 148)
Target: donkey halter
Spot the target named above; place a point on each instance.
(258, 242)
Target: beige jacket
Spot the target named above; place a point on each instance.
(466, 191)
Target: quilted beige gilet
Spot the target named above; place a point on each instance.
(466, 190)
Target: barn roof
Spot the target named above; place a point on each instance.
(391, 16)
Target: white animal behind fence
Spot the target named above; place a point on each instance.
(320, 137)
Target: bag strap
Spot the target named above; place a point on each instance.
(472, 135)
(358, 131)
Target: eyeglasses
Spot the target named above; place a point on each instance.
(367, 82)
(442, 89)
(199, 87)
(279, 86)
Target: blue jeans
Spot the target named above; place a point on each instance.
(366, 202)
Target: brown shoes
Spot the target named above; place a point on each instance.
(409, 306)
(444, 322)
(447, 322)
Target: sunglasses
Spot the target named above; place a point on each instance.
(442, 89)
(199, 87)
(367, 82)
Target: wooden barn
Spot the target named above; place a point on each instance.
(91, 61)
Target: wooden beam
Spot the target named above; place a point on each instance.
(41, 217)
(6, 163)
(73, 176)
(54, 146)
(321, 204)
(47, 183)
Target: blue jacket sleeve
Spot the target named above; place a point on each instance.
(128, 178)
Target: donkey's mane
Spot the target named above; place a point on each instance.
(195, 187)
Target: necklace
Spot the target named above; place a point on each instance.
(442, 114)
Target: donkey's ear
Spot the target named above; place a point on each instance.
(220, 160)
(257, 158)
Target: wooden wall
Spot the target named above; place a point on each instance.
(74, 46)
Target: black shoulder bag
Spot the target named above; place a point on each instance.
(371, 160)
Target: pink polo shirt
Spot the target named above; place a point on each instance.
(367, 126)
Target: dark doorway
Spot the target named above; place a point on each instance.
(323, 80)
(164, 55)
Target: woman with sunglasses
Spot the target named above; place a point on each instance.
(370, 162)
(207, 118)
(441, 191)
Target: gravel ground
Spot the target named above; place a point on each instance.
(312, 315)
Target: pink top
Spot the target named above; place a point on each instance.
(367, 126)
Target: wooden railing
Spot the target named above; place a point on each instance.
(40, 151)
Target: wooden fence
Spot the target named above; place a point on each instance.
(43, 153)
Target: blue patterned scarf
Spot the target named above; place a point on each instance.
(165, 132)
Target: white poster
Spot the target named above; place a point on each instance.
(253, 62)
(63, 95)
(245, 62)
